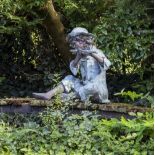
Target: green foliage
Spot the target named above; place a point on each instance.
(18, 14)
(145, 86)
(124, 31)
(133, 95)
(126, 36)
(28, 62)
(78, 134)
(85, 13)
(27, 47)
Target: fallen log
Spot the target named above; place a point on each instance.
(115, 107)
(33, 106)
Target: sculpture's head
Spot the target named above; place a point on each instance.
(80, 38)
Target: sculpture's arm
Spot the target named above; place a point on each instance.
(74, 64)
(102, 59)
(97, 57)
(76, 60)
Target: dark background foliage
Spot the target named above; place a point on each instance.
(29, 60)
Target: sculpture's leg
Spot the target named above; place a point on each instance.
(104, 100)
(98, 91)
(86, 91)
(103, 97)
(69, 96)
(46, 96)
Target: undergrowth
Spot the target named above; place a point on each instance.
(54, 132)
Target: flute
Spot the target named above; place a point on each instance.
(82, 51)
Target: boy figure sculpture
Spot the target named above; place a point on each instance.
(92, 64)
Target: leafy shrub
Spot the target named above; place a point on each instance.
(78, 134)
(27, 47)
(124, 31)
(132, 96)
(125, 34)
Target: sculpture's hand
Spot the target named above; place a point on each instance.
(86, 52)
(79, 55)
(82, 52)
(77, 59)
(74, 51)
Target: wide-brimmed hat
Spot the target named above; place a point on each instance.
(79, 30)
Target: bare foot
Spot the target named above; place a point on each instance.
(42, 96)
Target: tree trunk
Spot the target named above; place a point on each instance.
(55, 28)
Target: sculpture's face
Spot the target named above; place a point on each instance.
(81, 41)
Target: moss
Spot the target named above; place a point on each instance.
(116, 107)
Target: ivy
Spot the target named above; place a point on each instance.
(77, 134)
(122, 36)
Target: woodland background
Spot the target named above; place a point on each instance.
(34, 56)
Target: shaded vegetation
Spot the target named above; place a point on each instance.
(123, 29)
(54, 132)
(31, 60)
